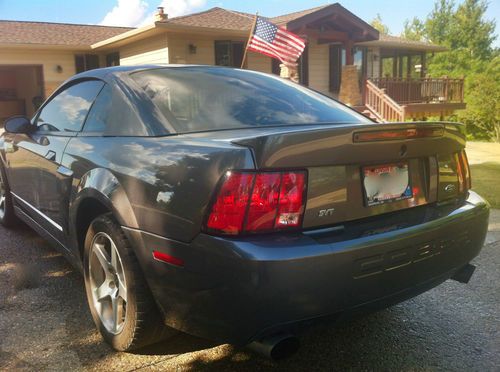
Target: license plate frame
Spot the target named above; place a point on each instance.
(373, 179)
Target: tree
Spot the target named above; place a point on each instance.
(470, 31)
(469, 38)
(414, 29)
(482, 116)
(439, 22)
(379, 25)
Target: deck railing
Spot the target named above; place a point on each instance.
(425, 90)
(383, 107)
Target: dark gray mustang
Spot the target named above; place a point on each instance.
(235, 205)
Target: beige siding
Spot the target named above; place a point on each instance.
(178, 46)
(179, 49)
(259, 62)
(49, 59)
(319, 72)
(151, 50)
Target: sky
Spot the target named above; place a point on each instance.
(140, 12)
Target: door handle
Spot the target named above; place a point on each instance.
(65, 171)
(51, 155)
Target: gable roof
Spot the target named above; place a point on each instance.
(83, 36)
(58, 34)
(217, 18)
(285, 18)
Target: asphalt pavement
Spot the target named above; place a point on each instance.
(45, 325)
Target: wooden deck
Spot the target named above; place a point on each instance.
(399, 99)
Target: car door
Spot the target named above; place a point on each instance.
(39, 183)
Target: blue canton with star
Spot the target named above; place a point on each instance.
(265, 30)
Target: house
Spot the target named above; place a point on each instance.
(345, 57)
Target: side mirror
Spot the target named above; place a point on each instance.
(18, 124)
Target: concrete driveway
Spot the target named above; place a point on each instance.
(45, 325)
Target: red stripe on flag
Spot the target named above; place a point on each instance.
(268, 51)
(277, 48)
(300, 42)
(289, 40)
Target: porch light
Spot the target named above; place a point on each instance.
(192, 49)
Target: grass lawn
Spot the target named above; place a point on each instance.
(486, 181)
(484, 159)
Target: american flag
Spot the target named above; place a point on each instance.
(276, 42)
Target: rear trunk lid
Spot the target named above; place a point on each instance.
(346, 164)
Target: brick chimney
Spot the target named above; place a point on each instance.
(160, 15)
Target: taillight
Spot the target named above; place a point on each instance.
(228, 211)
(463, 171)
(460, 173)
(466, 170)
(249, 202)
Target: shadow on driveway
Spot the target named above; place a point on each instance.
(453, 327)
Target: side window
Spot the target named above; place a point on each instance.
(99, 113)
(67, 111)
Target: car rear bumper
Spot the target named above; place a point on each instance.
(236, 290)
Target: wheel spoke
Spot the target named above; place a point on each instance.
(102, 256)
(114, 259)
(122, 290)
(115, 303)
(103, 291)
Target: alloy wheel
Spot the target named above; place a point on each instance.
(108, 283)
(2, 197)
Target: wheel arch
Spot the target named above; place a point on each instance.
(98, 192)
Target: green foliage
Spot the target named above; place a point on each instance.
(482, 116)
(379, 25)
(469, 37)
(414, 30)
(438, 25)
(470, 32)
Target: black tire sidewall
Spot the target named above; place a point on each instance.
(9, 218)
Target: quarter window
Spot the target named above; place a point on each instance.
(67, 111)
(99, 113)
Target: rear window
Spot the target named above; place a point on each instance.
(210, 98)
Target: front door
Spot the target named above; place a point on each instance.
(40, 185)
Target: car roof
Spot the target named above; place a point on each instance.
(106, 72)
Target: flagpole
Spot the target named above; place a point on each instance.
(249, 38)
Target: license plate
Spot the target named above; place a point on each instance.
(386, 183)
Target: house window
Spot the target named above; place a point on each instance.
(85, 62)
(113, 59)
(303, 67)
(337, 60)
(229, 53)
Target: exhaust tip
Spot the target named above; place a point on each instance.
(276, 347)
(464, 274)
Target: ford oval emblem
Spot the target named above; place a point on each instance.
(450, 187)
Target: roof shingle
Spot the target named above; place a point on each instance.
(285, 18)
(215, 18)
(63, 34)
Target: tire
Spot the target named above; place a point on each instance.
(120, 301)
(7, 216)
